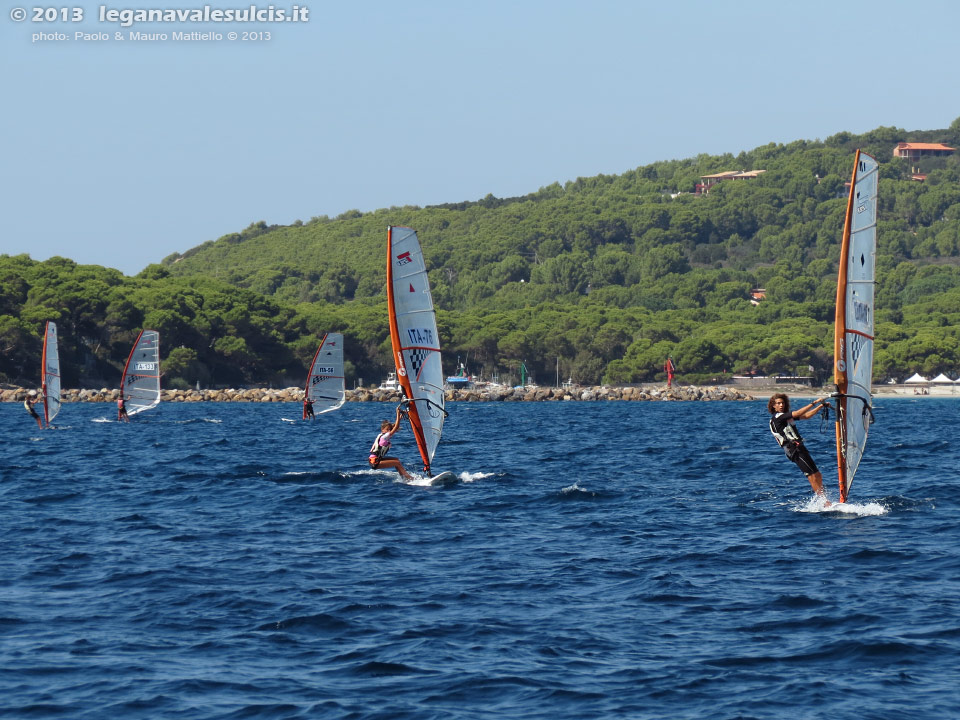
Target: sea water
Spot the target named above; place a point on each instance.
(596, 560)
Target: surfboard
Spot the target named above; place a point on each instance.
(415, 340)
(853, 326)
(445, 478)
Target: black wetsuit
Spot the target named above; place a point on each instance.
(784, 429)
(31, 409)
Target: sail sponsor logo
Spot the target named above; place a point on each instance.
(863, 313)
(421, 336)
(404, 258)
(144, 366)
(401, 367)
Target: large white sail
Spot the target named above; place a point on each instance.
(140, 384)
(416, 343)
(51, 373)
(853, 330)
(325, 382)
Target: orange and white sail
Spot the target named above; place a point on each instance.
(50, 382)
(140, 384)
(853, 328)
(415, 341)
(326, 386)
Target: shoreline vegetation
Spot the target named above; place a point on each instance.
(647, 392)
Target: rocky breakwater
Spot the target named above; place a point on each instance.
(581, 394)
(599, 393)
(491, 394)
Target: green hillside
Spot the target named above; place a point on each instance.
(606, 275)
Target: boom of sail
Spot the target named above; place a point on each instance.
(325, 382)
(853, 328)
(140, 384)
(415, 341)
(51, 373)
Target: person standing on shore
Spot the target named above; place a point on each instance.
(784, 429)
(28, 403)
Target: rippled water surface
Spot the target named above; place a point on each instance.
(615, 560)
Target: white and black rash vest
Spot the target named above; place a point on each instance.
(784, 429)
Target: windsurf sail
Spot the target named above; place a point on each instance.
(140, 384)
(50, 382)
(416, 343)
(853, 328)
(325, 383)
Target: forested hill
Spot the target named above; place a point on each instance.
(604, 275)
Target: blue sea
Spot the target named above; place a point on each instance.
(594, 560)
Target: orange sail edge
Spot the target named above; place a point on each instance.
(413, 414)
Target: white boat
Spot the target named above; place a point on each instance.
(50, 364)
(325, 381)
(390, 383)
(140, 384)
(415, 340)
(853, 327)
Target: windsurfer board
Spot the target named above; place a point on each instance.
(444, 478)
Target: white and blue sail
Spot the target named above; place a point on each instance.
(326, 387)
(50, 383)
(854, 324)
(415, 340)
(140, 384)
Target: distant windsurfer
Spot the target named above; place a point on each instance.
(122, 410)
(32, 399)
(381, 446)
(308, 409)
(784, 429)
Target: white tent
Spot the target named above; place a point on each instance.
(941, 378)
(916, 378)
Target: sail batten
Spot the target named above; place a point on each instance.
(415, 340)
(854, 323)
(50, 382)
(325, 380)
(140, 384)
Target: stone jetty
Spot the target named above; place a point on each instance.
(487, 394)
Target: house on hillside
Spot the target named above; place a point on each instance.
(708, 181)
(915, 151)
(757, 294)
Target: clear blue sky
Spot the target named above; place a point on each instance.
(119, 153)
